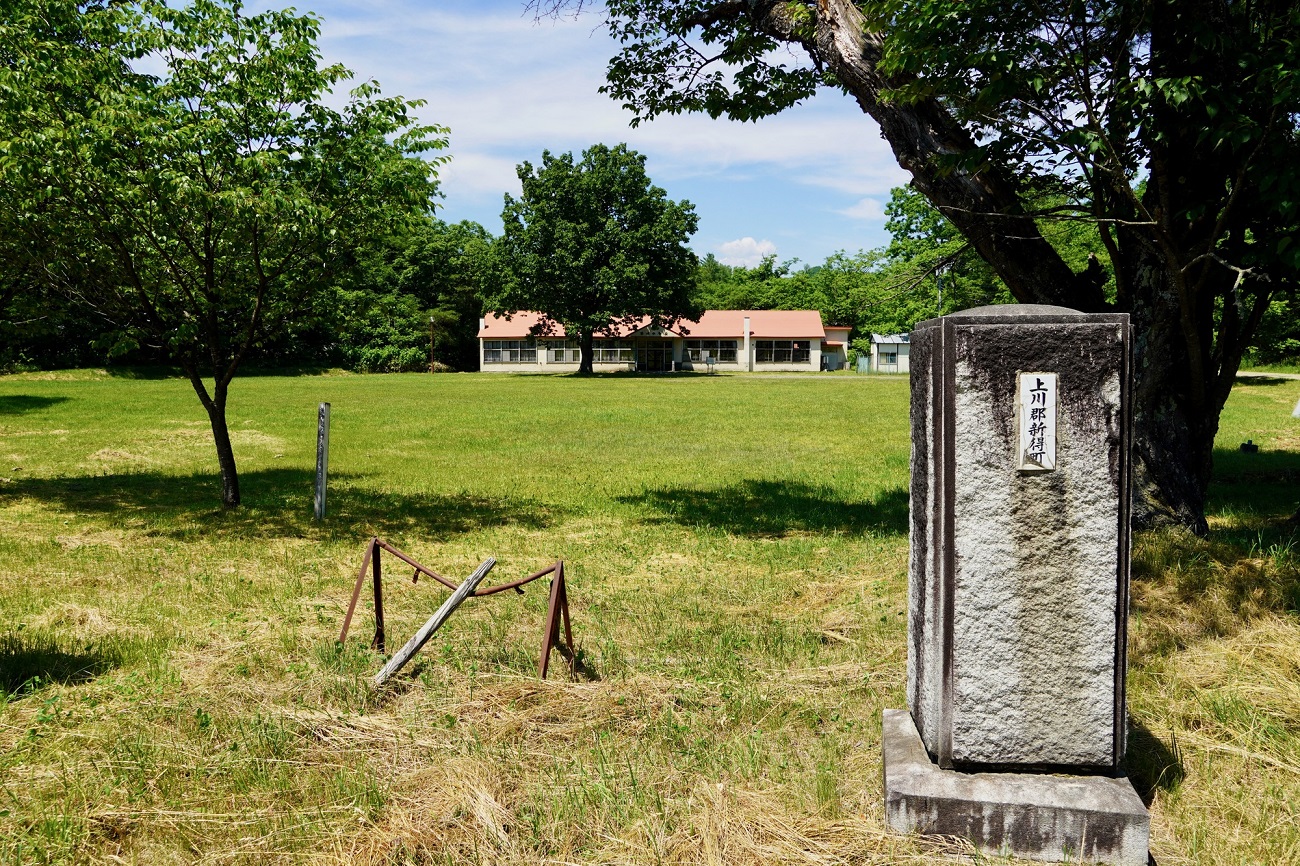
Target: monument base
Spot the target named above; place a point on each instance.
(1080, 819)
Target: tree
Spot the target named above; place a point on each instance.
(592, 244)
(378, 318)
(201, 208)
(1279, 333)
(927, 252)
(447, 267)
(766, 286)
(1169, 125)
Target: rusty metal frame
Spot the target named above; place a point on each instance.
(557, 609)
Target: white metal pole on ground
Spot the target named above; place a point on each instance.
(403, 655)
(322, 456)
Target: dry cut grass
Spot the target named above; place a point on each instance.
(172, 691)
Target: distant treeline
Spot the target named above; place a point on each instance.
(431, 281)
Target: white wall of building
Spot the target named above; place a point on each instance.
(881, 357)
(679, 356)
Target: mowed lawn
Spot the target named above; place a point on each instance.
(171, 689)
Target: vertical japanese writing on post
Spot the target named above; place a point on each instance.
(1036, 409)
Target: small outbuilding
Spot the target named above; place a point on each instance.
(890, 353)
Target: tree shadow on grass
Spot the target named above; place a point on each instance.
(277, 503)
(145, 372)
(1250, 379)
(162, 371)
(1188, 589)
(17, 404)
(758, 507)
(30, 660)
(1151, 765)
(1266, 482)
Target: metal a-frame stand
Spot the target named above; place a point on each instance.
(557, 609)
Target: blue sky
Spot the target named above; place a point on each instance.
(803, 184)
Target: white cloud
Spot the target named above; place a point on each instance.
(745, 251)
(509, 87)
(865, 209)
(479, 175)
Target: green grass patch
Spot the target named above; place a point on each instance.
(1292, 367)
(736, 553)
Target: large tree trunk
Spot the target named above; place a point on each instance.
(215, 405)
(1177, 393)
(1190, 327)
(1173, 428)
(588, 348)
(225, 455)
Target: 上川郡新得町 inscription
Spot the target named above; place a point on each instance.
(1037, 411)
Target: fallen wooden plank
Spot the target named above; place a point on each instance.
(464, 591)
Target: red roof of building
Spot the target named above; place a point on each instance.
(520, 325)
(516, 327)
(763, 324)
(714, 324)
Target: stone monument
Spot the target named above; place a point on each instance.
(1018, 588)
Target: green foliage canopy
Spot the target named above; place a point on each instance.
(592, 243)
(1171, 127)
(436, 271)
(180, 171)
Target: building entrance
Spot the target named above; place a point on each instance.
(654, 357)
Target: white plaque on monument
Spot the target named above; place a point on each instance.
(1037, 411)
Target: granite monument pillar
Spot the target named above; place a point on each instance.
(1018, 587)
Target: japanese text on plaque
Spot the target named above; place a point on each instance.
(1037, 411)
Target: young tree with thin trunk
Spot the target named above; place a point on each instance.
(1171, 126)
(179, 170)
(592, 244)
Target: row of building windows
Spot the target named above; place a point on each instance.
(566, 352)
(569, 352)
(722, 351)
(612, 352)
(509, 352)
(557, 352)
(622, 351)
(782, 351)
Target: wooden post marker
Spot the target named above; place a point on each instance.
(464, 591)
(322, 456)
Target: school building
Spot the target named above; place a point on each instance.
(732, 340)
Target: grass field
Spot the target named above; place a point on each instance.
(1292, 368)
(171, 690)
